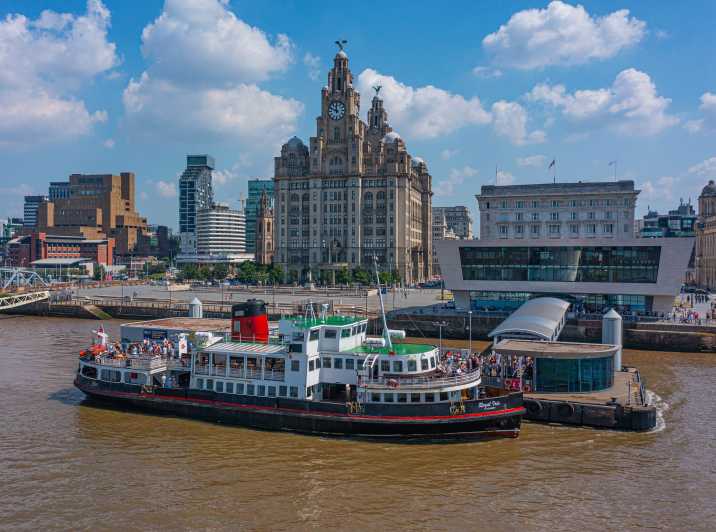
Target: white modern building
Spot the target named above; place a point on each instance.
(633, 276)
(582, 210)
(220, 231)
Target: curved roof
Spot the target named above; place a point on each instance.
(393, 136)
(295, 142)
(541, 317)
(710, 189)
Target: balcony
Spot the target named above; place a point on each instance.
(422, 383)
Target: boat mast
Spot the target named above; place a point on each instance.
(386, 332)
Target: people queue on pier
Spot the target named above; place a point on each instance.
(515, 372)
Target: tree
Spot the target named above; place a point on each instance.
(276, 274)
(189, 271)
(246, 272)
(343, 276)
(220, 271)
(361, 276)
(98, 273)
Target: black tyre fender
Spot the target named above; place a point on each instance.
(533, 407)
(565, 409)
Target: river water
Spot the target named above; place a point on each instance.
(66, 464)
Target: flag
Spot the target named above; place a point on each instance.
(554, 162)
(612, 163)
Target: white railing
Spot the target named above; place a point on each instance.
(201, 370)
(274, 375)
(423, 382)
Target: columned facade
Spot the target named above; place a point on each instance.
(705, 258)
(352, 194)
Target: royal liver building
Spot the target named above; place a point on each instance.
(353, 194)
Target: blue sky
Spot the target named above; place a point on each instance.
(472, 87)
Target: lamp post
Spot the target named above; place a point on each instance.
(440, 325)
(469, 317)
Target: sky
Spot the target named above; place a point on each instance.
(486, 92)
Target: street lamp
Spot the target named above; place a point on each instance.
(469, 317)
(440, 325)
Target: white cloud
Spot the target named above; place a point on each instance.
(313, 65)
(457, 177)
(659, 189)
(486, 72)
(561, 34)
(109, 144)
(708, 109)
(166, 189)
(42, 62)
(423, 112)
(198, 42)
(204, 63)
(535, 161)
(504, 178)
(631, 104)
(705, 168)
(510, 120)
(448, 154)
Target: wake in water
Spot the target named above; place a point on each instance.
(661, 408)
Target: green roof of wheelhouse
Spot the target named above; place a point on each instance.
(398, 349)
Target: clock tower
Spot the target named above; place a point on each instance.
(336, 148)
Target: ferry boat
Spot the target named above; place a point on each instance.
(320, 375)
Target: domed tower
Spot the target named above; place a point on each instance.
(293, 161)
(264, 231)
(705, 252)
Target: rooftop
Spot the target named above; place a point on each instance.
(553, 349)
(593, 187)
(245, 347)
(398, 349)
(337, 321)
(541, 316)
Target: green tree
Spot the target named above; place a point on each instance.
(220, 271)
(247, 272)
(343, 276)
(98, 273)
(276, 274)
(189, 271)
(361, 276)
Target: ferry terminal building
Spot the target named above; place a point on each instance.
(640, 276)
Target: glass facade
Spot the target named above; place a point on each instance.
(577, 264)
(574, 375)
(583, 303)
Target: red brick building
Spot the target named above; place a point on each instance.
(24, 250)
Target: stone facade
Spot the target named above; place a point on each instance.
(705, 256)
(354, 193)
(441, 231)
(558, 211)
(457, 219)
(264, 231)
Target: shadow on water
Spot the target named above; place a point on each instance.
(68, 396)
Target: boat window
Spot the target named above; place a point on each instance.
(443, 396)
(311, 365)
(89, 371)
(429, 397)
(375, 397)
(385, 365)
(275, 365)
(250, 389)
(402, 397)
(313, 335)
(318, 363)
(345, 333)
(309, 391)
(236, 365)
(229, 387)
(397, 366)
(424, 364)
(432, 362)
(210, 384)
(272, 391)
(295, 365)
(294, 391)
(240, 388)
(355, 330)
(282, 391)
(220, 386)
(200, 383)
(329, 333)
(295, 348)
(297, 337)
(338, 363)
(412, 365)
(388, 397)
(359, 363)
(364, 328)
(350, 363)
(262, 390)
(414, 397)
(326, 362)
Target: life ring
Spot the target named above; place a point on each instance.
(533, 407)
(393, 383)
(565, 409)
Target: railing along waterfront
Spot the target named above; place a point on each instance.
(422, 382)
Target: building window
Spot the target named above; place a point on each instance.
(397, 366)
(327, 362)
(337, 363)
(590, 215)
(295, 365)
(573, 216)
(535, 216)
(282, 390)
(535, 204)
(520, 204)
(574, 229)
(519, 229)
(350, 363)
(555, 203)
(503, 230)
(609, 228)
(554, 229)
(554, 216)
(311, 365)
(293, 391)
(519, 216)
(385, 366)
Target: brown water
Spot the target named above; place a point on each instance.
(65, 464)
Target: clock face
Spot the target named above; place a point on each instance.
(336, 110)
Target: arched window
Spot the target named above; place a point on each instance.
(294, 197)
(380, 196)
(336, 134)
(305, 197)
(368, 197)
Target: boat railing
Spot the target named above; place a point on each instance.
(201, 369)
(134, 362)
(274, 375)
(175, 363)
(253, 373)
(423, 382)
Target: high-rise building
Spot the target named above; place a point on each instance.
(441, 231)
(257, 187)
(220, 232)
(32, 203)
(558, 211)
(59, 190)
(264, 231)
(457, 219)
(679, 222)
(195, 193)
(353, 194)
(705, 255)
(99, 206)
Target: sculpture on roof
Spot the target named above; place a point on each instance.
(341, 43)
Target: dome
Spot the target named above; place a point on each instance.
(710, 189)
(418, 160)
(391, 137)
(295, 142)
(342, 54)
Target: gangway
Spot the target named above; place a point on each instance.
(20, 277)
(19, 300)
